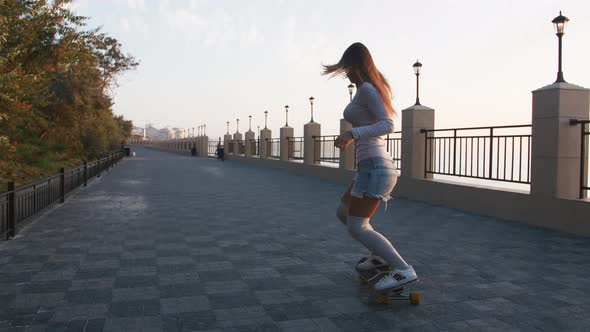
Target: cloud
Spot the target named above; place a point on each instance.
(134, 24)
(252, 35)
(211, 27)
(77, 5)
(135, 5)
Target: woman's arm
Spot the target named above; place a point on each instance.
(384, 124)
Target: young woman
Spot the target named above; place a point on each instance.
(370, 112)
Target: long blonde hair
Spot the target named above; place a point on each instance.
(358, 61)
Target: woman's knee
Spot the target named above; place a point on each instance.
(342, 213)
(356, 226)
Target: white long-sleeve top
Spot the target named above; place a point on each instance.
(370, 121)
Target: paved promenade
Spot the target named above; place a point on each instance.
(174, 243)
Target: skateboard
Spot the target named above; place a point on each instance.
(371, 277)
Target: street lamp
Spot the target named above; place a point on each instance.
(250, 123)
(265, 116)
(237, 125)
(204, 130)
(193, 131)
(311, 99)
(286, 115)
(559, 23)
(417, 68)
(228, 127)
(350, 88)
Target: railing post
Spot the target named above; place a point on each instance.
(62, 185)
(555, 145)
(237, 139)
(35, 198)
(98, 168)
(347, 155)
(286, 133)
(310, 131)
(264, 149)
(582, 159)
(85, 173)
(11, 210)
(425, 152)
(414, 151)
(48, 191)
(491, 152)
(248, 141)
(455, 152)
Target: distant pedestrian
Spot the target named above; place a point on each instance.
(220, 152)
(370, 112)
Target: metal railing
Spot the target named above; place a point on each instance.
(327, 151)
(295, 145)
(393, 145)
(501, 153)
(584, 155)
(212, 149)
(254, 146)
(273, 148)
(19, 203)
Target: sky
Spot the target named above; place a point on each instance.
(208, 62)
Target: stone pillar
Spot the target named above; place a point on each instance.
(204, 152)
(414, 119)
(347, 156)
(226, 139)
(311, 155)
(237, 139)
(265, 134)
(555, 162)
(250, 137)
(285, 147)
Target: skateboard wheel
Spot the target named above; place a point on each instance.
(415, 298)
(383, 298)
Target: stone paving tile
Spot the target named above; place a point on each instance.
(166, 242)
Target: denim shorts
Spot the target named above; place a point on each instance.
(375, 177)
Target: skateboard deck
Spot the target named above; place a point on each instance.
(371, 277)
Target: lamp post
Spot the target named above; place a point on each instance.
(265, 116)
(417, 67)
(193, 131)
(228, 127)
(204, 129)
(250, 123)
(237, 125)
(286, 115)
(311, 99)
(559, 23)
(350, 88)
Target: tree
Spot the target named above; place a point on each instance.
(56, 80)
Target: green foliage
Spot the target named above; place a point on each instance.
(55, 84)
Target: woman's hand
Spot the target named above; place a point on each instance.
(343, 140)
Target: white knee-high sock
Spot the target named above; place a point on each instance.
(360, 229)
